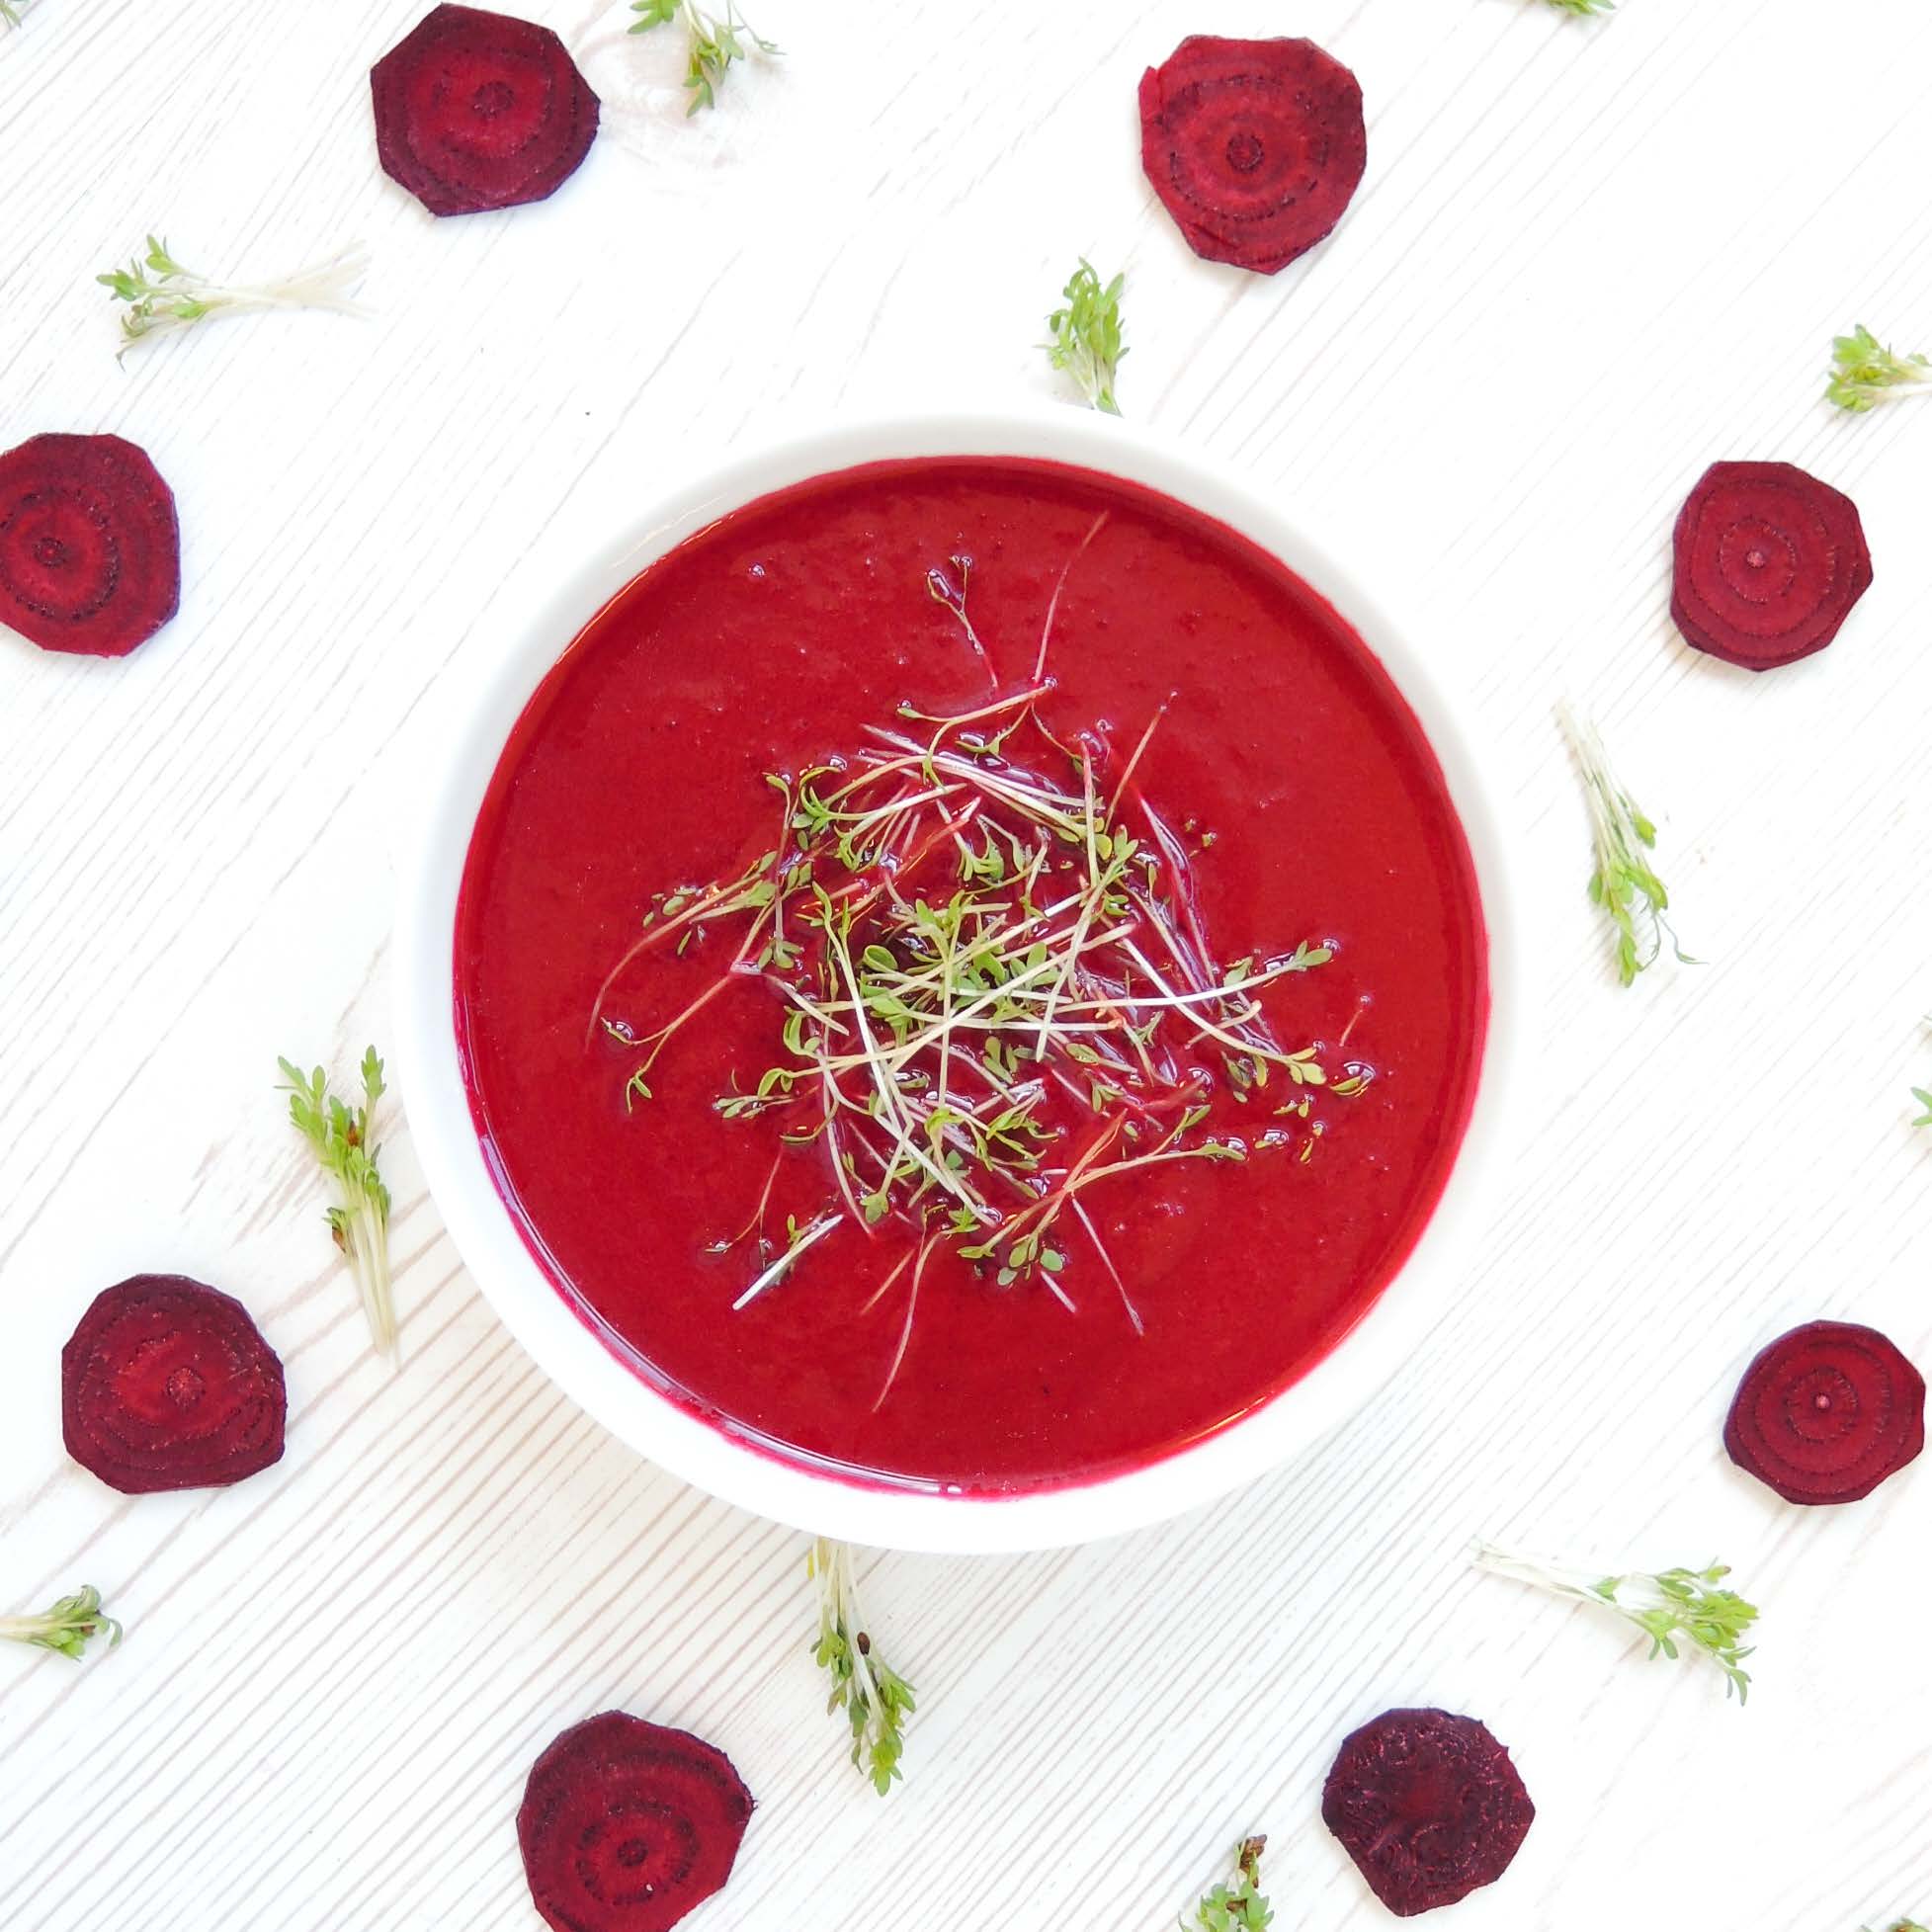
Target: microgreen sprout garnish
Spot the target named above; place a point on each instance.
(1924, 1099)
(1865, 373)
(9, 13)
(1087, 335)
(1625, 883)
(1585, 6)
(1238, 1907)
(345, 1145)
(996, 994)
(1676, 1606)
(875, 1697)
(162, 297)
(69, 1627)
(712, 39)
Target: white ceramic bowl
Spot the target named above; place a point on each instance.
(576, 570)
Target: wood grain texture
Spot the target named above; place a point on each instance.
(1589, 258)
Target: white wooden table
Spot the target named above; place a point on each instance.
(1588, 259)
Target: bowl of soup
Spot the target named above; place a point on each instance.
(956, 982)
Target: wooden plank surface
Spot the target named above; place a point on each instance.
(1590, 257)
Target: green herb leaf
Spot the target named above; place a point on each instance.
(1865, 373)
(161, 296)
(1625, 883)
(344, 1144)
(1585, 6)
(1673, 1608)
(874, 1698)
(1238, 1907)
(1087, 335)
(8, 12)
(712, 43)
(69, 1627)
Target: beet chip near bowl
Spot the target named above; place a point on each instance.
(957, 980)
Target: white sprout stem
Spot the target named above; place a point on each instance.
(323, 285)
(839, 1609)
(813, 1234)
(1564, 1579)
(366, 1242)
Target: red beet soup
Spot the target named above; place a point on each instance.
(968, 973)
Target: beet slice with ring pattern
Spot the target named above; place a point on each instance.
(626, 1826)
(477, 110)
(90, 550)
(1255, 147)
(167, 1383)
(1429, 1806)
(1826, 1413)
(1768, 564)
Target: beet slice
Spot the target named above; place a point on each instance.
(1769, 563)
(90, 551)
(1255, 147)
(477, 110)
(1826, 1413)
(626, 1826)
(1429, 1806)
(168, 1385)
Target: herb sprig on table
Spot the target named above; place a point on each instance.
(164, 298)
(1690, 1608)
(344, 1142)
(68, 1627)
(1865, 373)
(1085, 335)
(1624, 881)
(1238, 1907)
(874, 1698)
(714, 41)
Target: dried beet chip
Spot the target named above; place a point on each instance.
(1769, 563)
(1428, 1805)
(1255, 147)
(90, 552)
(626, 1826)
(1826, 1413)
(168, 1385)
(477, 110)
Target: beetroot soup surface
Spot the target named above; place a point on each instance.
(769, 643)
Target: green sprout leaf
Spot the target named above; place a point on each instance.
(160, 296)
(1865, 373)
(1238, 1907)
(1673, 1608)
(69, 1627)
(9, 13)
(1087, 335)
(1623, 882)
(714, 41)
(345, 1147)
(1585, 6)
(1924, 1100)
(874, 1698)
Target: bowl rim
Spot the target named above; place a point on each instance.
(578, 563)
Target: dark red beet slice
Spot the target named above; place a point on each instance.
(1255, 147)
(1769, 564)
(90, 552)
(626, 1826)
(1826, 1413)
(1428, 1805)
(168, 1385)
(477, 110)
